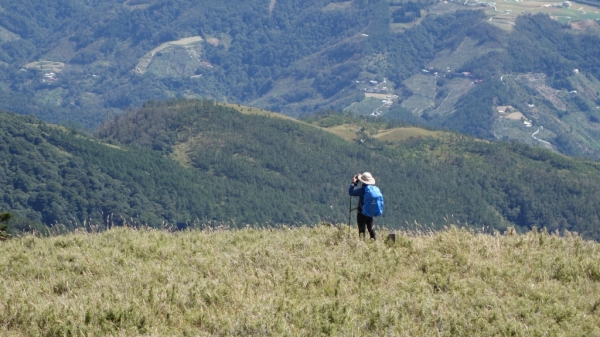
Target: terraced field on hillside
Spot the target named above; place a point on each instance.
(146, 60)
(503, 13)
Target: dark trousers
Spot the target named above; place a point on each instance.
(365, 222)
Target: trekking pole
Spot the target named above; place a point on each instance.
(349, 211)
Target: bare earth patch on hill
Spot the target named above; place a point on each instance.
(509, 112)
(213, 40)
(515, 116)
(7, 35)
(380, 96)
(347, 132)
(582, 25)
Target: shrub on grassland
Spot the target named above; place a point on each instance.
(4, 217)
(304, 281)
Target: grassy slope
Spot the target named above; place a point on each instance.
(349, 131)
(404, 133)
(299, 282)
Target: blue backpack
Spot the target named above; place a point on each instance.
(372, 201)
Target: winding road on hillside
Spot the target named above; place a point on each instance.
(539, 140)
(144, 63)
(376, 112)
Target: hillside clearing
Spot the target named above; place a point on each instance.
(379, 96)
(400, 134)
(516, 116)
(145, 61)
(248, 110)
(43, 66)
(451, 59)
(301, 282)
(337, 6)
(137, 6)
(7, 35)
(348, 132)
(213, 41)
(504, 13)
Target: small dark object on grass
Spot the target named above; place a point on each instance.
(391, 238)
(4, 217)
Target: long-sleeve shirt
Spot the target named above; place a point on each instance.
(357, 192)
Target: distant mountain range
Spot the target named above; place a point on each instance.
(493, 70)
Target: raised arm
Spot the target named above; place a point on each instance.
(356, 191)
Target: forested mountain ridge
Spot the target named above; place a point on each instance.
(248, 168)
(423, 178)
(496, 72)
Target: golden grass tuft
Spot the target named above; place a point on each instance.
(404, 133)
(306, 281)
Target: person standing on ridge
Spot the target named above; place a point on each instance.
(364, 221)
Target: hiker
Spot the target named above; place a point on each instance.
(364, 221)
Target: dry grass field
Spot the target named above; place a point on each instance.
(307, 281)
(349, 132)
(378, 96)
(400, 134)
(248, 110)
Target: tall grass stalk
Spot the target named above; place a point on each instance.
(306, 281)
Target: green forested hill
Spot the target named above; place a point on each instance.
(295, 171)
(57, 176)
(241, 169)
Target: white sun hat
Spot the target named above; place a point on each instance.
(367, 178)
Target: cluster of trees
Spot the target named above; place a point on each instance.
(4, 217)
(409, 12)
